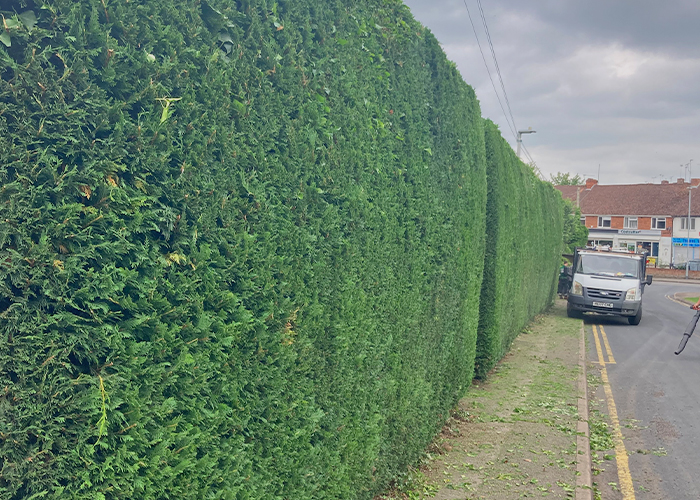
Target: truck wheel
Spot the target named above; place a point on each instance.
(634, 320)
(571, 313)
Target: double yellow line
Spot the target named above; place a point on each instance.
(623, 469)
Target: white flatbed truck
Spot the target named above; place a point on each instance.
(607, 282)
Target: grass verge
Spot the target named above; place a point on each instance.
(513, 435)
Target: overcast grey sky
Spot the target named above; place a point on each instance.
(609, 83)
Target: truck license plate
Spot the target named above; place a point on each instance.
(603, 304)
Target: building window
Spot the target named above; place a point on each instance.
(600, 243)
(630, 223)
(684, 224)
(658, 222)
(603, 221)
(628, 245)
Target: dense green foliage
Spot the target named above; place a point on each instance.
(241, 247)
(575, 233)
(523, 247)
(566, 179)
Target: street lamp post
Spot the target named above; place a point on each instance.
(520, 139)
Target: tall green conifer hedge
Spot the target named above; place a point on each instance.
(241, 247)
(523, 250)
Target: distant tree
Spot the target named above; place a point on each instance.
(566, 179)
(575, 233)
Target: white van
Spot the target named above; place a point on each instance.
(606, 282)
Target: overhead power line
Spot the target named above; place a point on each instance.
(532, 163)
(512, 127)
(495, 62)
(510, 119)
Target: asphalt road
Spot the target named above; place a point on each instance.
(656, 395)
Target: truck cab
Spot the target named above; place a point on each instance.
(607, 282)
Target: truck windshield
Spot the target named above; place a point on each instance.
(608, 265)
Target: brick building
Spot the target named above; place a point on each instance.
(649, 216)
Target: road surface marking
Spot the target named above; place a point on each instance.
(623, 468)
(678, 301)
(599, 348)
(611, 358)
(601, 358)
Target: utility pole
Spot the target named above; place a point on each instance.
(690, 192)
(520, 139)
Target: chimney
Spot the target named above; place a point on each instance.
(590, 183)
(681, 181)
(664, 182)
(694, 182)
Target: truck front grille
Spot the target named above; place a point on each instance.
(600, 293)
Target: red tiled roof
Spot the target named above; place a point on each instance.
(635, 199)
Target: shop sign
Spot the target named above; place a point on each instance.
(683, 242)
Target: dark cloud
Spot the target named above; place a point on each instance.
(609, 83)
(669, 27)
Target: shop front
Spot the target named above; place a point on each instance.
(684, 250)
(634, 240)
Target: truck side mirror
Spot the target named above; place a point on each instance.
(649, 278)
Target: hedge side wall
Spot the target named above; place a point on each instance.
(241, 247)
(523, 247)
